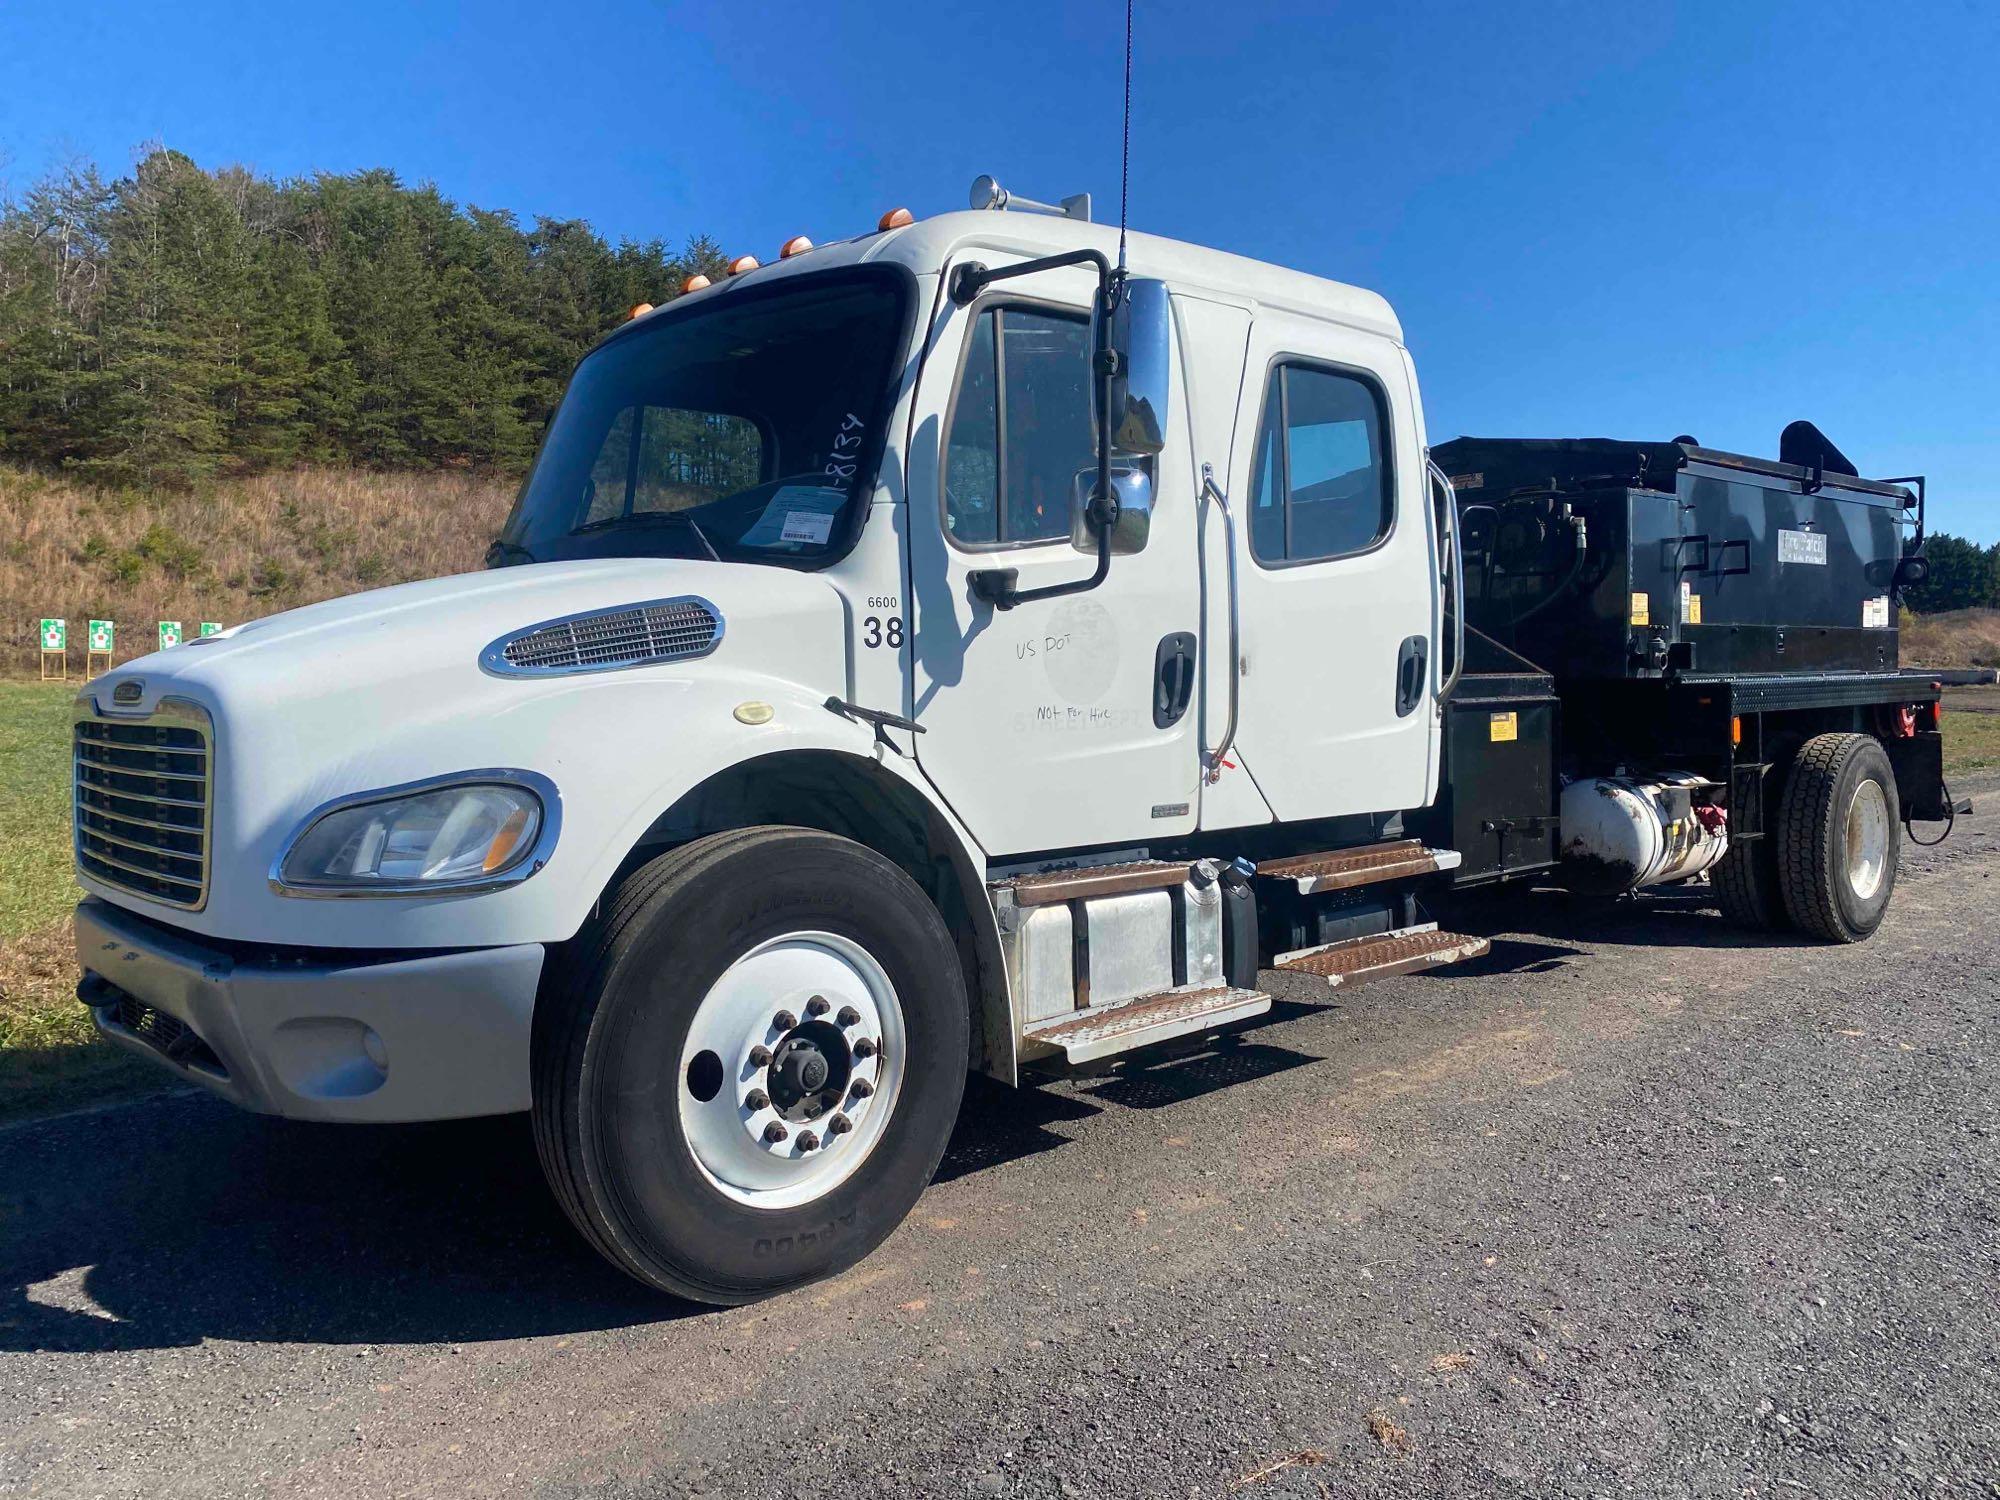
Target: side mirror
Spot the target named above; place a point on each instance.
(1911, 572)
(1141, 338)
(1133, 487)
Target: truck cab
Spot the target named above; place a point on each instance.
(930, 651)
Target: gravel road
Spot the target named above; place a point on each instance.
(1633, 1206)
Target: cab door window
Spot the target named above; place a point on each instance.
(1321, 481)
(1020, 428)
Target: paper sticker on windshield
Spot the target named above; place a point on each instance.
(806, 526)
(799, 514)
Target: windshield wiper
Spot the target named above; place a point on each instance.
(653, 518)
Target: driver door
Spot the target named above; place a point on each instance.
(1066, 722)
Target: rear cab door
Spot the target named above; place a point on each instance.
(1339, 590)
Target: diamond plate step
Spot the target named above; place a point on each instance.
(1093, 880)
(1358, 960)
(1346, 868)
(1090, 1034)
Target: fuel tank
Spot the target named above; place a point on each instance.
(1625, 833)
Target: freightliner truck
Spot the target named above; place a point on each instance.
(978, 645)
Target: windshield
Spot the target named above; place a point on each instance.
(746, 429)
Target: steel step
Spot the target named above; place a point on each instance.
(1110, 1029)
(1343, 869)
(1093, 880)
(1358, 960)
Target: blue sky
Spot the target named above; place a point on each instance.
(1623, 220)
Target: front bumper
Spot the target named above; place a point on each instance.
(366, 1037)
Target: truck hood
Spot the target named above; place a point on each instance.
(420, 640)
(385, 689)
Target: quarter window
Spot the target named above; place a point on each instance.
(1321, 480)
(1021, 427)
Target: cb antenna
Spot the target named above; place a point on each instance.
(1125, 153)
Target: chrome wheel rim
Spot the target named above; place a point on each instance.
(792, 1068)
(1868, 836)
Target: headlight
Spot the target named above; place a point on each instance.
(468, 833)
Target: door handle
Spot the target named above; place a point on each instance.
(1173, 678)
(1410, 674)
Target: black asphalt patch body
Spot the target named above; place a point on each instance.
(1633, 1205)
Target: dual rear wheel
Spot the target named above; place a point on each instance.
(1827, 862)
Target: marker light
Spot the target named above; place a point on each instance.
(1736, 729)
(642, 309)
(694, 283)
(798, 244)
(741, 264)
(896, 218)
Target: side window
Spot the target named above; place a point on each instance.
(1320, 486)
(669, 458)
(1020, 427)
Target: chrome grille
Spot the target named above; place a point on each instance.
(141, 804)
(633, 636)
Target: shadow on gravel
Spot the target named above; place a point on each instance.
(168, 1223)
(165, 1224)
(1176, 1082)
(1662, 919)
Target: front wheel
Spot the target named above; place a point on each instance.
(747, 1069)
(1839, 837)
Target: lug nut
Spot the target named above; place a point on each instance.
(848, 1015)
(839, 1125)
(760, 1056)
(784, 1020)
(817, 1006)
(861, 1088)
(774, 1132)
(808, 1141)
(865, 1048)
(756, 1099)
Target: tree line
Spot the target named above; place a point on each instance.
(1964, 575)
(180, 323)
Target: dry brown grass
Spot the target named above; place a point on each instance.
(232, 551)
(1956, 638)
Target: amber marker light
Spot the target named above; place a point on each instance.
(694, 283)
(896, 218)
(506, 839)
(741, 264)
(1736, 729)
(642, 309)
(798, 244)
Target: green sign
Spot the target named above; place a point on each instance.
(55, 635)
(211, 627)
(170, 633)
(102, 634)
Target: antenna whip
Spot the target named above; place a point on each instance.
(1125, 153)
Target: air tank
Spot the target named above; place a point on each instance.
(1622, 833)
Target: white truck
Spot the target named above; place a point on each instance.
(936, 650)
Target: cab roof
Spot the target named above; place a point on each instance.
(927, 245)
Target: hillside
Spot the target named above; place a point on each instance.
(228, 551)
(1956, 638)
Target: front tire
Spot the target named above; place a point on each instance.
(1839, 837)
(747, 1068)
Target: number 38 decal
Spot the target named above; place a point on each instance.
(875, 631)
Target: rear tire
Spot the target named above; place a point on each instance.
(1745, 879)
(1839, 837)
(645, 1085)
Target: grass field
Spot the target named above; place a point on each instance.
(49, 1057)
